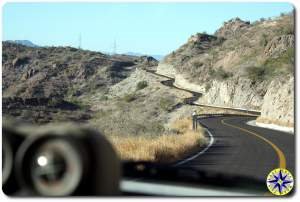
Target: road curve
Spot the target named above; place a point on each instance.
(238, 148)
(195, 96)
(243, 150)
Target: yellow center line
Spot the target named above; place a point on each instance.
(281, 157)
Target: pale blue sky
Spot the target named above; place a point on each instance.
(149, 28)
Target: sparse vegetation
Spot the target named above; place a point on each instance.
(78, 103)
(197, 64)
(264, 40)
(129, 97)
(272, 67)
(288, 30)
(141, 85)
(207, 86)
(104, 98)
(285, 61)
(220, 74)
(257, 74)
(166, 103)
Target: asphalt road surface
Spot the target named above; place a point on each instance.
(240, 149)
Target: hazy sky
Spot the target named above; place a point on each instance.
(150, 28)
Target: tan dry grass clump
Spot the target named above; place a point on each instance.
(165, 148)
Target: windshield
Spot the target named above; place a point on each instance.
(197, 98)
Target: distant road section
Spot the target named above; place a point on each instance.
(192, 100)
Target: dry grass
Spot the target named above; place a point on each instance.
(165, 148)
(276, 122)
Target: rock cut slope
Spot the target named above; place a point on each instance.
(243, 65)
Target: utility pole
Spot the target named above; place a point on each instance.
(115, 47)
(79, 41)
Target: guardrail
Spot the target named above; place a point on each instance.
(209, 115)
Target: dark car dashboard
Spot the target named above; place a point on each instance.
(68, 160)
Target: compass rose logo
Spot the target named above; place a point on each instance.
(280, 181)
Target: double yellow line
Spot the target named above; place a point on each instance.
(281, 157)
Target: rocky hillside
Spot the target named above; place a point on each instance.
(42, 85)
(62, 71)
(239, 66)
(111, 93)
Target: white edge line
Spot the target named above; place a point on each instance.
(211, 141)
(275, 127)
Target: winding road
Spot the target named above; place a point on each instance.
(244, 150)
(239, 148)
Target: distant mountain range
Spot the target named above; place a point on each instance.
(23, 42)
(157, 57)
(31, 44)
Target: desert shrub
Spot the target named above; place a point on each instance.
(287, 57)
(197, 64)
(53, 102)
(219, 41)
(285, 30)
(104, 98)
(220, 73)
(77, 102)
(166, 103)
(157, 127)
(129, 97)
(285, 62)
(138, 129)
(256, 73)
(4, 56)
(273, 67)
(141, 85)
(288, 30)
(207, 86)
(263, 40)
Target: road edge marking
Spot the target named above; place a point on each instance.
(211, 141)
(280, 155)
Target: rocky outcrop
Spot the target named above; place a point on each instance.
(148, 60)
(231, 27)
(278, 103)
(278, 45)
(182, 82)
(166, 69)
(18, 61)
(236, 93)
